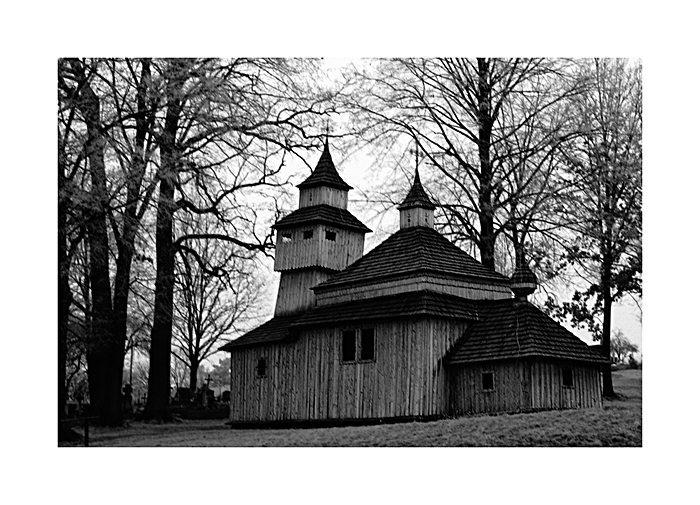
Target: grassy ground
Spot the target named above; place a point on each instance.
(618, 423)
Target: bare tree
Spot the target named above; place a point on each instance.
(227, 128)
(604, 207)
(216, 297)
(621, 347)
(106, 116)
(489, 128)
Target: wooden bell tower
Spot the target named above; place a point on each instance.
(318, 239)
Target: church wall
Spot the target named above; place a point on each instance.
(548, 392)
(306, 379)
(467, 395)
(294, 294)
(292, 250)
(522, 385)
(452, 286)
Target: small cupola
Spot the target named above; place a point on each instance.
(417, 209)
(523, 282)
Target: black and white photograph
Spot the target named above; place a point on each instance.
(372, 252)
(348, 253)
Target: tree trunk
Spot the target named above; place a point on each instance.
(105, 387)
(194, 368)
(64, 296)
(487, 239)
(161, 333)
(130, 224)
(606, 279)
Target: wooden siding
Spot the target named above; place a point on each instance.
(522, 385)
(295, 294)
(439, 284)
(416, 216)
(307, 381)
(318, 251)
(323, 195)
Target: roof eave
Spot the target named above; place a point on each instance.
(329, 184)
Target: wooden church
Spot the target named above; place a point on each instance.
(414, 329)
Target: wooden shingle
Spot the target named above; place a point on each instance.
(325, 174)
(410, 251)
(413, 304)
(274, 330)
(325, 214)
(507, 329)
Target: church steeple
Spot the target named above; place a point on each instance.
(417, 209)
(318, 239)
(325, 173)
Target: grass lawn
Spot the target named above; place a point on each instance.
(618, 423)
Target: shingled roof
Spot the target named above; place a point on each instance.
(322, 214)
(410, 251)
(417, 197)
(507, 329)
(417, 303)
(325, 173)
(274, 330)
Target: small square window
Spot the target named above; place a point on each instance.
(487, 381)
(567, 377)
(348, 346)
(287, 236)
(367, 344)
(308, 234)
(330, 235)
(262, 367)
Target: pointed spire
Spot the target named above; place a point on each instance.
(417, 197)
(325, 173)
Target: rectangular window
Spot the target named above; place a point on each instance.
(330, 235)
(308, 234)
(367, 344)
(487, 381)
(262, 367)
(286, 236)
(348, 346)
(567, 377)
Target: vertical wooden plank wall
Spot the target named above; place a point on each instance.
(522, 385)
(299, 252)
(467, 395)
(306, 380)
(323, 195)
(549, 393)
